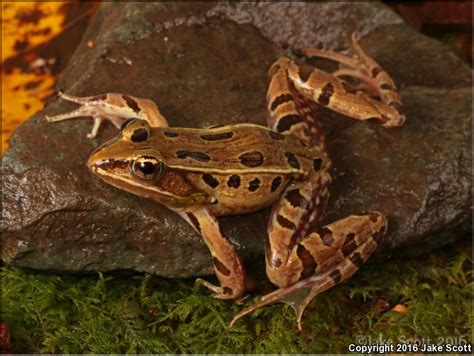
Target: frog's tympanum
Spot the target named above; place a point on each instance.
(236, 169)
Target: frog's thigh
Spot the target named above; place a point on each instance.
(227, 263)
(288, 111)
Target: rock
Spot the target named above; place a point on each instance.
(206, 64)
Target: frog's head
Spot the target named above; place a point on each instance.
(133, 163)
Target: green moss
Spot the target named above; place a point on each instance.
(144, 314)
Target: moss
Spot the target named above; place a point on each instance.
(144, 314)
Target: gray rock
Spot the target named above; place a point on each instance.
(206, 64)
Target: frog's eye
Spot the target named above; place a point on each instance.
(136, 130)
(147, 168)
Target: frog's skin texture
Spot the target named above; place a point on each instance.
(235, 169)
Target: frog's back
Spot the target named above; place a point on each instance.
(235, 148)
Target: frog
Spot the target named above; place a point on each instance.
(204, 173)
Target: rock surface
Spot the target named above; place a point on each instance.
(206, 64)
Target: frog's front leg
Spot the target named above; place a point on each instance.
(227, 263)
(111, 106)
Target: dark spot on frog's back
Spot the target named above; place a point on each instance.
(210, 180)
(251, 159)
(292, 160)
(198, 156)
(275, 184)
(131, 103)
(218, 136)
(254, 184)
(233, 181)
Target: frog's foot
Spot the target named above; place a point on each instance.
(117, 108)
(338, 252)
(98, 120)
(88, 107)
(296, 295)
(301, 293)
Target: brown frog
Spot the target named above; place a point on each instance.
(204, 173)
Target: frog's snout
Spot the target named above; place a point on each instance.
(95, 160)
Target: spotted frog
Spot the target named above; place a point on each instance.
(204, 173)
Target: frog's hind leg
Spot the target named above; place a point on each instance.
(116, 108)
(388, 111)
(322, 260)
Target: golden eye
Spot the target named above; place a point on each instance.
(147, 168)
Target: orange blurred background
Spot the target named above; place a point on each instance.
(34, 50)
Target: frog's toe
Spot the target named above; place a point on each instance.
(218, 292)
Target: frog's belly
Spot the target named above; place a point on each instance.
(240, 194)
